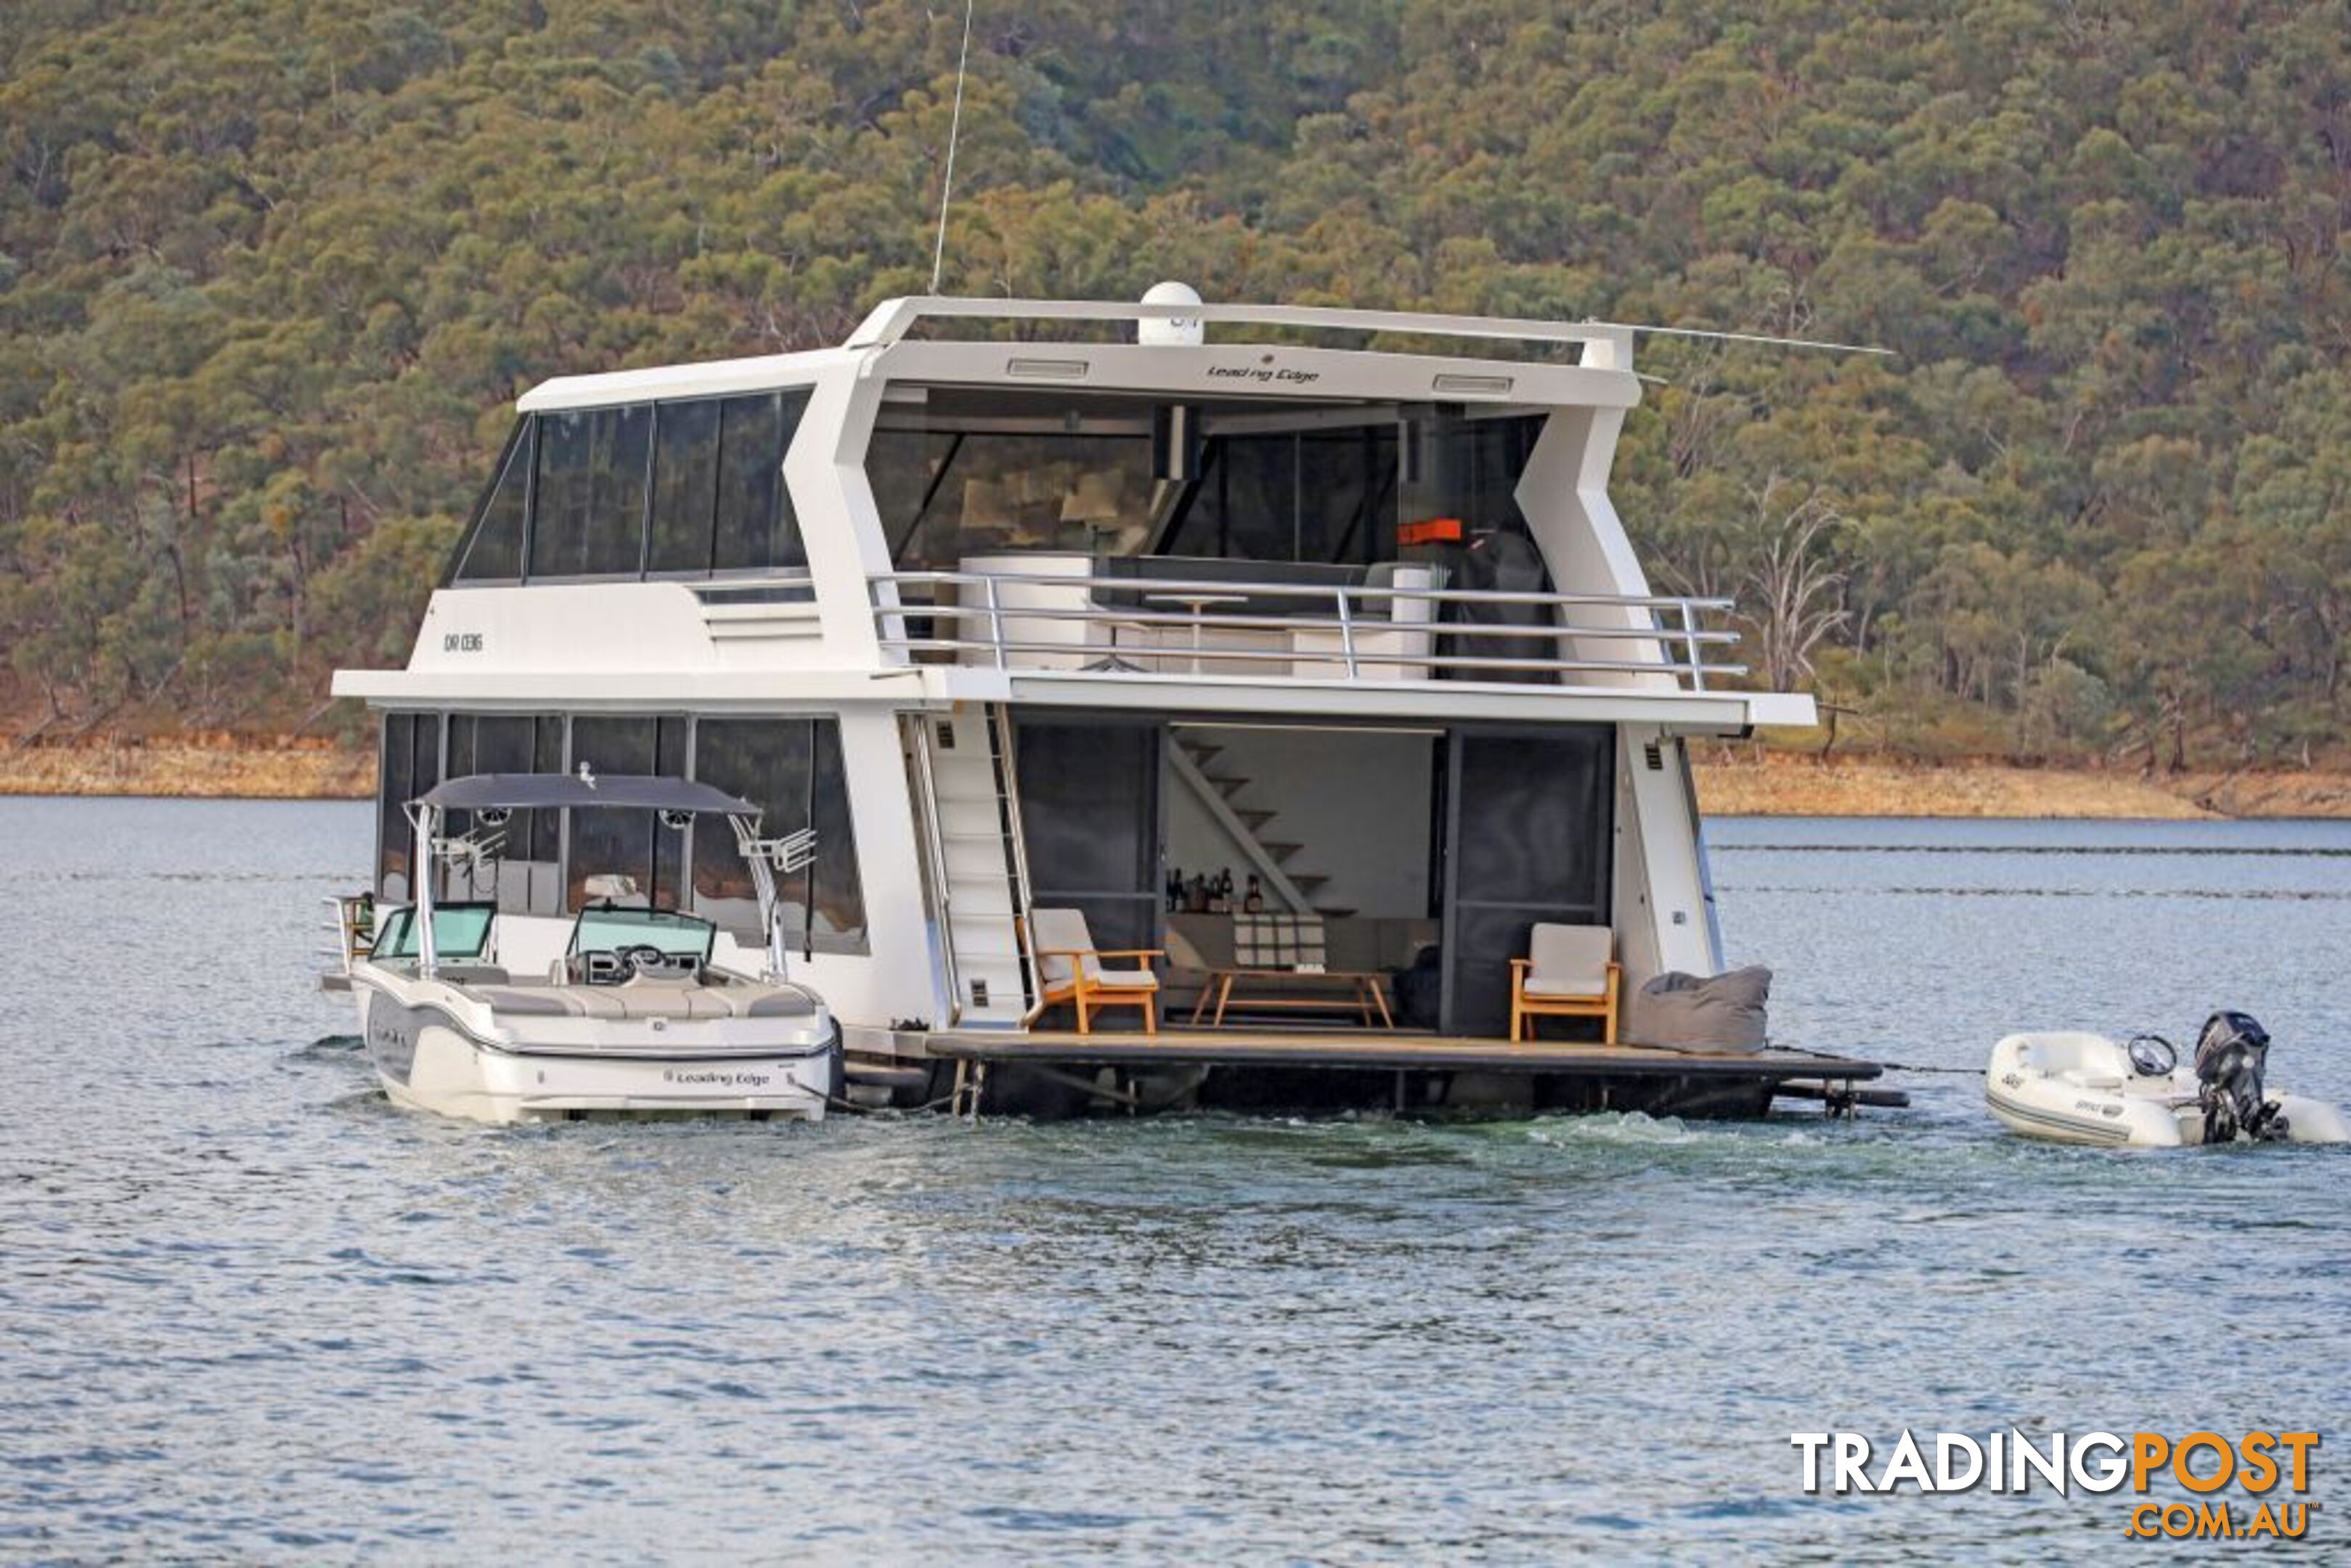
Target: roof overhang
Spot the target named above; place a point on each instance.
(753, 691)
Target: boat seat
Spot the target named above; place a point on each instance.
(2081, 1078)
(770, 1001)
(648, 999)
(537, 1001)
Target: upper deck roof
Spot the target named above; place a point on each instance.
(710, 377)
(1600, 345)
(1604, 346)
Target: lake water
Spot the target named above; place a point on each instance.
(248, 1311)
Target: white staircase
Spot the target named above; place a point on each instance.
(976, 809)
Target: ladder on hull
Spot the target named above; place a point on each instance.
(980, 872)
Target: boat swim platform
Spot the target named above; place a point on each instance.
(1054, 1072)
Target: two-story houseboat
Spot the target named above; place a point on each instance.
(1316, 674)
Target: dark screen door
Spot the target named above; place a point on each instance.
(1090, 820)
(1529, 838)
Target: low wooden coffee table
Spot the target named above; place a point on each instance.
(1290, 988)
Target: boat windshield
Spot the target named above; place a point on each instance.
(460, 932)
(609, 930)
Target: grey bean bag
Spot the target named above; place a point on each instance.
(1674, 1008)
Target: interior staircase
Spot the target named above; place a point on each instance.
(976, 804)
(1197, 765)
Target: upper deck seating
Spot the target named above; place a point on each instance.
(1166, 636)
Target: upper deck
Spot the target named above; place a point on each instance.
(1205, 523)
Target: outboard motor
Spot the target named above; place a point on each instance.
(2230, 1056)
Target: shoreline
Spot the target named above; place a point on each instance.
(1771, 785)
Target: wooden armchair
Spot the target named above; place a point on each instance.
(1570, 971)
(1070, 970)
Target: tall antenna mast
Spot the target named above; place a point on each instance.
(954, 132)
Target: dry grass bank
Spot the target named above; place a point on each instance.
(1774, 785)
(1780, 786)
(197, 766)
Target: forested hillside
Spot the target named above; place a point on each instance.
(271, 271)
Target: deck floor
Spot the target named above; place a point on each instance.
(1360, 1049)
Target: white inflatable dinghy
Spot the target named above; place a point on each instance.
(2073, 1087)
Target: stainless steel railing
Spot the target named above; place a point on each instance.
(1016, 620)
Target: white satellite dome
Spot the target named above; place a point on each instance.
(1180, 330)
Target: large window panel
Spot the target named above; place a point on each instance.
(839, 898)
(685, 486)
(394, 774)
(409, 765)
(492, 548)
(591, 504)
(619, 449)
(606, 840)
(791, 768)
(496, 743)
(1322, 497)
(756, 528)
(559, 541)
(669, 844)
(546, 756)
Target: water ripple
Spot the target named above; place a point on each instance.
(250, 1313)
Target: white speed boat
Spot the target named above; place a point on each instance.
(500, 1014)
(2075, 1087)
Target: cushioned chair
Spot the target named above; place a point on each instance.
(1393, 637)
(1070, 970)
(1569, 971)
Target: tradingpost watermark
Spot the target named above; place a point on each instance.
(2253, 1485)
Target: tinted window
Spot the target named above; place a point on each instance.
(755, 526)
(492, 548)
(491, 744)
(619, 450)
(766, 761)
(686, 486)
(590, 505)
(546, 756)
(559, 539)
(392, 790)
(606, 840)
(792, 770)
(840, 898)
(1322, 495)
(410, 765)
(670, 843)
(946, 495)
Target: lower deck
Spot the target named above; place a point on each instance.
(1064, 1073)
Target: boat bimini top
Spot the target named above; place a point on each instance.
(482, 792)
(490, 797)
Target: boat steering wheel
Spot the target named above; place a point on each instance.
(2152, 1056)
(640, 958)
